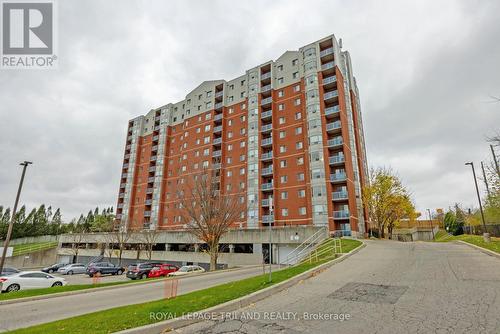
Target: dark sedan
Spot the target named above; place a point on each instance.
(54, 268)
(141, 270)
(104, 268)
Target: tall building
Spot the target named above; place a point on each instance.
(287, 136)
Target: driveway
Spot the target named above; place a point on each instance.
(388, 287)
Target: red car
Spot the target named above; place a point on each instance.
(162, 270)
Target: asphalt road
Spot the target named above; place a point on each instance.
(388, 287)
(31, 313)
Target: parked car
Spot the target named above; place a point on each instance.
(53, 268)
(162, 270)
(74, 268)
(9, 271)
(30, 280)
(104, 268)
(187, 270)
(141, 270)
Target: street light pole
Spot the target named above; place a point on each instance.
(270, 238)
(486, 236)
(495, 160)
(432, 225)
(11, 223)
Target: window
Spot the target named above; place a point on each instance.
(295, 62)
(280, 81)
(207, 127)
(230, 147)
(284, 212)
(242, 157)
(281, 93)
(281, 107)
(302, 211)
(297, 102)
(295, 75)
(208, 116)
(301, 193)
(282, 120)
(231, 110)
(298, 130)
(280, 67)
(299, 145)
(300, 161)
(242, 82)
(282, 134)
(243, 131)
(243, 118)
(283, 178)
(282, 149)
(283, 163)
(242, 185)
(229, 160)
(298, 115)
(229, 173)
(242, 171)
(206, 140)
(243, 144)
(206, 152)
(284, 195)
(230, 134)
(230, 122)
(296, 88)
(208, 105)
(300, 177)
(198, 130)
(209, 93)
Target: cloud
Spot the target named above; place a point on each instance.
(424, 73)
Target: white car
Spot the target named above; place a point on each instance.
(186, 270)
(74, 268)
(30, 280)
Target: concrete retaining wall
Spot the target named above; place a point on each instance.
(33, 260)
(32, 240)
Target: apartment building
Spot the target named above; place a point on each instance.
(286, 137)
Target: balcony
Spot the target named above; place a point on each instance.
(333, 126)
(331, 95)
(154, 148)
(122, 195)
(218, 129)
(335, 142)
(265, 76)
(266, 156)
(119, 216)
(267, 171)
(149, 191)
(148, 202)
(153, 158)
(151, 179)
(122, 186)
(265, 88)
(338, 177)
(341, 214)
(267, 142)
(266, 128)
(217, 141)
(128, 147)
(219, 94)
(127, 156)
(125, 165)
(147, 213)
(265, 202)
(157, 128)
(124, 175)
(218, 105)
(217, 154)
(157, 118)
(327, 66)
(339, 195)
(326, 52)
(218, 117)
(329, 80)
(332, 110)
(216, 165)
(268, 219)
(266, 114)
(155, 138)
(267, 186)
(120, 206)
(336, 159)
(152, 169)
(266, 101)
(129, 138)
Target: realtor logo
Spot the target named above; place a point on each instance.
(28, 35)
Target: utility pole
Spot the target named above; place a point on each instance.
(11, 223)
(495, 160)
(486, 236)
(485, 180)
(271, 209)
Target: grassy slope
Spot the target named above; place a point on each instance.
(130, 316)
(26, 248)
(477, 240)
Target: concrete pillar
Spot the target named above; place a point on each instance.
(231, 248)
(167, 247)
(196, 247)
(257, 248)
(274, 254)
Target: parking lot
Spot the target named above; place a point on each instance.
(85, 279)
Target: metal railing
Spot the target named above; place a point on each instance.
(302, 250)
(26, 249)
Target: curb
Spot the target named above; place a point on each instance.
(481, 249)
(117, 286)
(169, 325)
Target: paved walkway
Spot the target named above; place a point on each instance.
(388, 287)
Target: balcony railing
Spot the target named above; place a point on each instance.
(218, 117)
(338, 177)
(265, 101)
(267, 171)
(125, 165)
(341, 214)
(266, 128)
(265, 202)
(149, 191)
(335, 142)
(119, 216)
(122, 195)
(267, 218)
(218, 105)
(124, 175)
(266, 156)
(327, 66)
(148, 201)
(326, 52)
(147, 213)
(267, 186)
(332, 110)
(152, 169)
(329, 80)
(267, 141)
(266, 114)
(337, 195)
(128, 147)
(153, 158)
(333, 126)
(127, 156)
(265, 88)
(154, 148)
(216, 154)
(122, 185)
(151, 179)
(157, 128)
(218, 129)
(336, 159)
(155, 138)
(217, 141)
(331, 95)
(216, 165)
(265, 76)
(219, 94)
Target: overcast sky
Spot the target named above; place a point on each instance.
(425, 73)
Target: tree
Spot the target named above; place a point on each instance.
(149, 238)
(387, 199)
(208, 214)
(454, 220)
(120, 239)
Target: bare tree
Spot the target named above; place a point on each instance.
(208, 214)
(75, 239)
(149, 239)
(120, 239)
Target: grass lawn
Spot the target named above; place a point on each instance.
(130, 316)
(33, 247)
(477, 240)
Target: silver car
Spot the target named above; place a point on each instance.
(74, 268)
